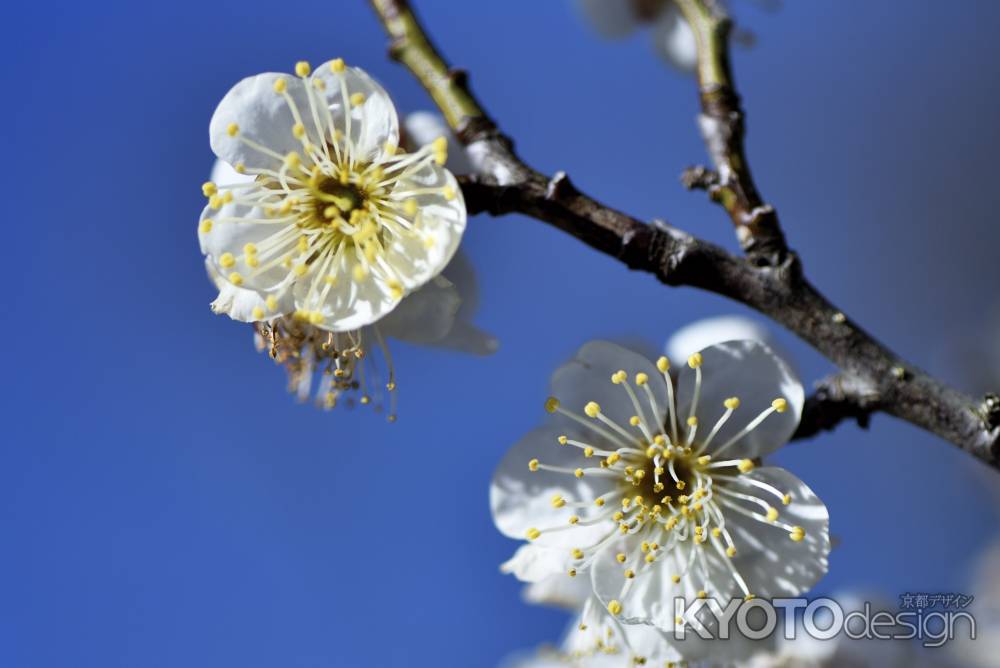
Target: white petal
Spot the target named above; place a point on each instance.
(231, 236)
(423, 127)
(590, 630)
(223, 174)
(521, 499)
(587, 377)
(263, 117)
(425, 316)
(418, 258)
(709, 331)
(241, 303)
(750, 371)
(772, 563)
(612, 18)
(674, 40)
(373, 124)
(346, 304)
(546, 571)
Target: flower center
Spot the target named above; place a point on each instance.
(335, 201)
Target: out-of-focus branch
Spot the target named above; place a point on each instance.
(769, 279)
(722, 126)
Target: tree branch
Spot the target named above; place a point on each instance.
(873, 377)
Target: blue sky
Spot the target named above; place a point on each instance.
(164, 502)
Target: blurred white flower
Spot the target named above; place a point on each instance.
(656, 496)
(673, 38)
(329, 223)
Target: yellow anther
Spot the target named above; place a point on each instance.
(551, 405)
(599, 502)
(745, 465)
(578, 473)
(232, 129)
(562, 440)
(716, 532)
(298, 131)
(663, 364)
(613, 458)
(573, 519)
(772, 514)
(730, 551)
(410, 207)
(780, 405)
(271, 302)
(206, 226)
(652, 451)
(302, 68)
(660, 440)
(292, 160)
(676, 579)
(588, 451)
(634, 421)
(257, 313)
(357, 99)
(650, 558)
(637, 500)
(390, 148)
(359, 273)
(749, 597)
(250, 248)
(280, 85)
(786, 499)
(577, 553)
(227, 197)
(316, 317)
(300, 270)
(252, 261)
(704, 459)
(797, 534)
(571, 572)
(644, 547)
(702, 594)
(558, 501)
(592, 409)
(620, 557)
(683, 499)
(215, 202)
(208, 189)
(236, 278)
(671, 522)
(629, 573)
(337, 65)
(240, 168)
(640, 474)
(533, 465)
(227, 260)
(614, 607)
(395, 288)
(448, 193)
(692, 421)
(532, 533)
(732, 403)
(695, 361)
(680, 485)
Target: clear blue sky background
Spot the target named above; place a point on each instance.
(164, 503)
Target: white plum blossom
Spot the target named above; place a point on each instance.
(672, 36)
(332, 224)
(652, 487)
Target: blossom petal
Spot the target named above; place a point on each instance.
(587, 377)
(521, 499)
(223, 174)
(262, 117)
(344, 303)
(440, 223)
(423, 127)
(246, 305)
(426, 315)
(750, 371)
(374, 123)
(773, 564)
(707, 332)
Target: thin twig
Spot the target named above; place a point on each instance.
(873, 377)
